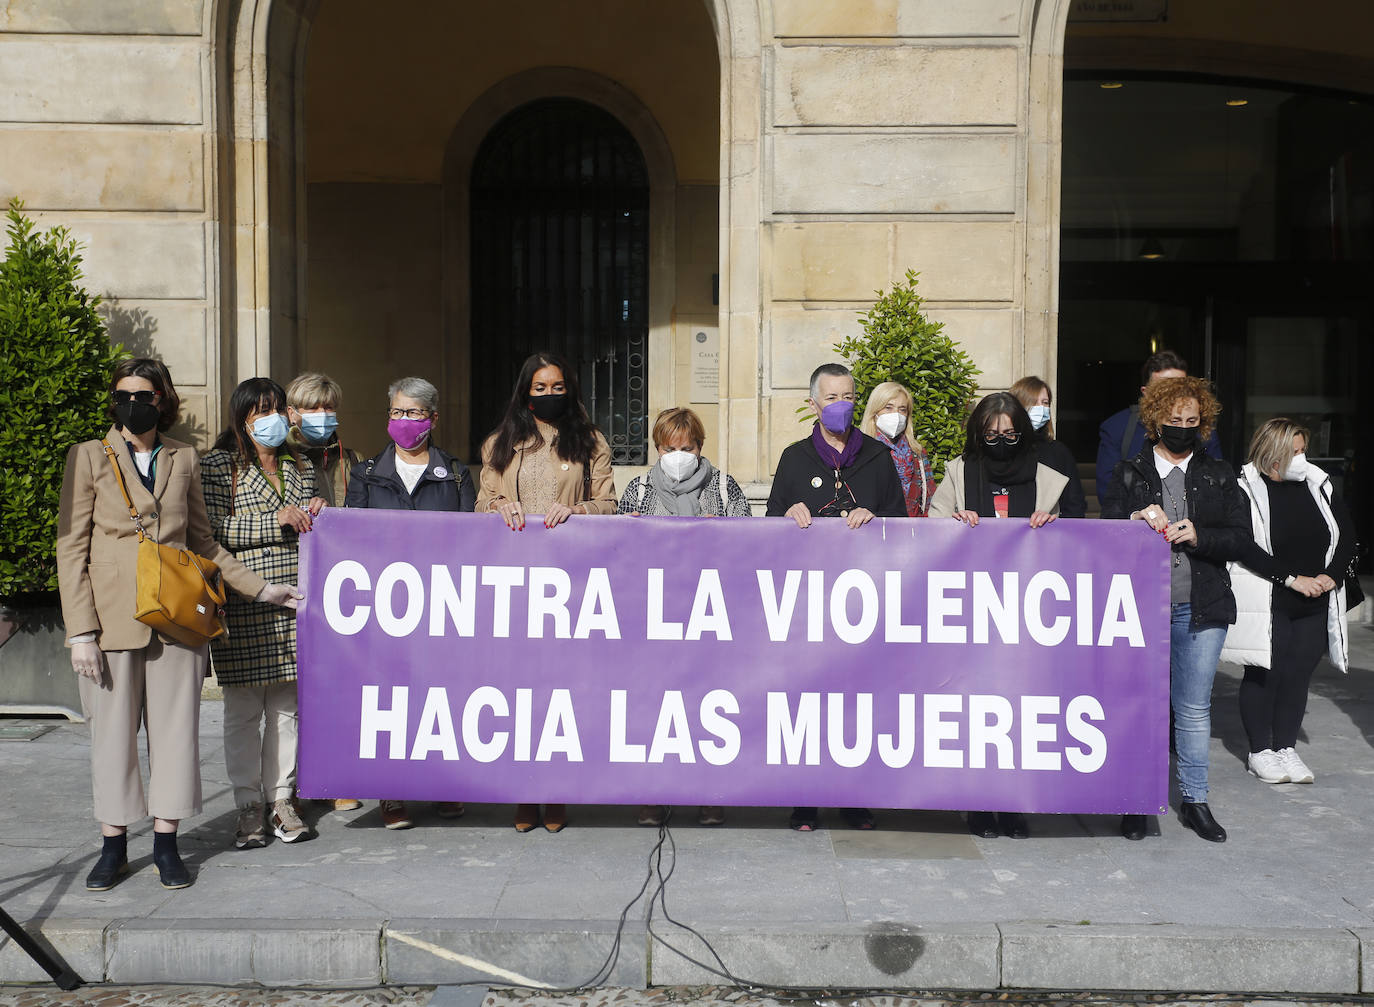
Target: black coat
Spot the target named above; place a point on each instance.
(446, 485)
(803, 478)
(1219, 510)
(1055, 454)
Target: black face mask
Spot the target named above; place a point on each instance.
(549, 407)
(1178, 440)
(137, 417)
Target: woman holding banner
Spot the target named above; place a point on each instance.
(682, 483)
(1035, 395)
(260, 495)
(1291, 608)
(887, 419)
(129, 674)
(412, 474)
(999, 476)
(546, 458)
(1195, 503)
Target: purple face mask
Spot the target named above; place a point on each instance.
(409, 434)
(838, 416)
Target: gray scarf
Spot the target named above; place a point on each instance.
(679, 498)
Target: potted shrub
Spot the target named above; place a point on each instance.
(56, 361)
(899, 343)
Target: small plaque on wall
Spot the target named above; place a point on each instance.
(705, 352)
(1119, 10)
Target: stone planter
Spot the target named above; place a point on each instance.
(35, 672)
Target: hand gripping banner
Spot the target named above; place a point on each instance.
(621, 660)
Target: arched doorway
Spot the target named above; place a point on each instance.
(559, 250)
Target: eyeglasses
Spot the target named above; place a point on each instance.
(408, 414)
(144, 397)
(1011, 438)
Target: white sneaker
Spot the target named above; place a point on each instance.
(1269, 767)
(286, 822)
(1295, 768)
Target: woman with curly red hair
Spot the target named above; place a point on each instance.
(1195, 502)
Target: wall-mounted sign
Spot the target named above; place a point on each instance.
(705, 350)
(1119, 10)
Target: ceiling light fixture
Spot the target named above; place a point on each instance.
(1237, 102)
(1150, 249)
(1111, 85)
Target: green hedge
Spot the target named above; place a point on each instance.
(899, 343)
(55, 364)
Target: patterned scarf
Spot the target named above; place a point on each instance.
(918, 482)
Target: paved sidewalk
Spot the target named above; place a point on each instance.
(1286, 904)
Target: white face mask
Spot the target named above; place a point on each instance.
(1297, 469)
(1039, 416)
(891, 424)
(678, 465)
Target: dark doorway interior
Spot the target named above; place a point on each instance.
(1232, 222)
(560, 226)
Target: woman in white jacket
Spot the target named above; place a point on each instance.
(1290, 595)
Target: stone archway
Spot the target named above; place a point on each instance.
(474, 126)
(262, 233)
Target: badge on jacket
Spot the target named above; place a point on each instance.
(440, 472)
(815, 482)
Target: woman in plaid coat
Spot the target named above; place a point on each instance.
(261, 498)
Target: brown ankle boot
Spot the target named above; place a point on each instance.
(555, 817)
(526, 817)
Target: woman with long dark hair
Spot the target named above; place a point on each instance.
(545, 458)
(261, 498)
(131, 675)
(999, 476)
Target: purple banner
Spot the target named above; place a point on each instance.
(620, 660)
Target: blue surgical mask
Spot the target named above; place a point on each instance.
(269, 431)
(1039, 416)
(317, 428)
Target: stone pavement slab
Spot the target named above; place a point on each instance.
(1073, 906)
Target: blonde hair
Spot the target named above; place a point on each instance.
(679, 420)
(1028, 390)
(1157, 405)
(1271, 449)
(314, 390)
(877, 402)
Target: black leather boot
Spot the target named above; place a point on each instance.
(1014, 825)
(112, 865)
(1133, 827)
(1198, 817)
(983, 824)
(171, 871)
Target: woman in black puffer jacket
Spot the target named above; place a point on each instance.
(1196, 503)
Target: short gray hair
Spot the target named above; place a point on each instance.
(827, 370)
(416, 388)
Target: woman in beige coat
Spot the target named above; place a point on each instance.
(128, 673)
(546, 458)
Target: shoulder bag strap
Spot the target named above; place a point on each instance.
(119, 478)
(1132, 421)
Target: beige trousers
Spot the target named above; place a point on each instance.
(260, 732)
(159, 687)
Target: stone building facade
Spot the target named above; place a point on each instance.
(265, 186)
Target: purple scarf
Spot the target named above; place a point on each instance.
(837, 459)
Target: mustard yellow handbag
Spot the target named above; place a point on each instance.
(180, 594)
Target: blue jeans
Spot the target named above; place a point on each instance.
(1193, 656)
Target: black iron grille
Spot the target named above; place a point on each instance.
(560, 246)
